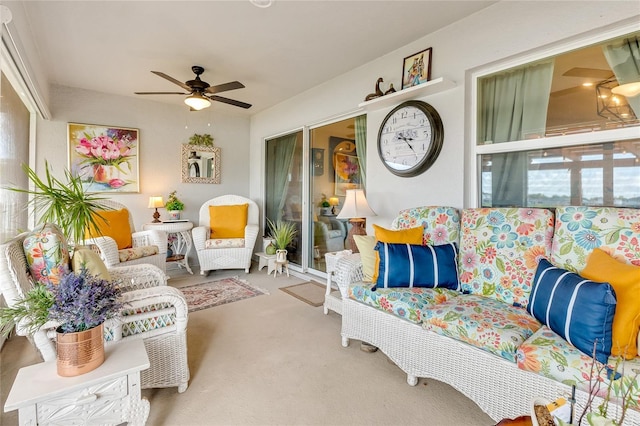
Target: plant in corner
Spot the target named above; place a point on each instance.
(173, 203)
(64, 203)
(282, 232)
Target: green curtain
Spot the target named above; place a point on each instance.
(280, 151)
(514, 107)
(361, 147)
(624, 60)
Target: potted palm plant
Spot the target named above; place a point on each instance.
(283, 233)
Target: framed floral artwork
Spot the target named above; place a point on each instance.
(416, 68)
(105, 157)
(347, 173)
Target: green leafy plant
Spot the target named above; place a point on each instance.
(78, 302)
(324, 202)
(282, 232)
(173, 203)
(64, 203)
(203, 140)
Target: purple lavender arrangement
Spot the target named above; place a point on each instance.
(83, 301)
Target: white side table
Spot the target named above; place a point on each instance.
(268, 260)
(333, 300)
(183, 242)
(110, 394)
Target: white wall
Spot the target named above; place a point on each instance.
(493, 34)
(162, 132)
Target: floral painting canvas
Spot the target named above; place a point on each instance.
(106, 158)
(347, 173)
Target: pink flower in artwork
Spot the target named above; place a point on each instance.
(116, 183)
(113, 148)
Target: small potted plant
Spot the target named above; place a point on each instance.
(325, 206)
(282, 233)
(174, 206)
(80, 304)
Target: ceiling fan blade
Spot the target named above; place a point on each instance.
(232, 85)
(173, 80)
(230, 101)
(160, 93)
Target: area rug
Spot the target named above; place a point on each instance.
(309, 292)
(215, 293)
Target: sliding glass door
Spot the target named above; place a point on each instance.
(305, 183)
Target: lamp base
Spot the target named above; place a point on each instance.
(358, 227)
(156, 217)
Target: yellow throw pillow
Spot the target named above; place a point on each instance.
(625, 280)
(114, 224)
(86, 257)
(399, 236)
(228, 221)
(365, 244)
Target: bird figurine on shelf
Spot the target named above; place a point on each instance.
(391, 90)
(377, 93)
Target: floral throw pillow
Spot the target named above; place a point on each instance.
(47, 254)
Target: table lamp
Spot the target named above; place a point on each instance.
(355, 209)
(333, 202)
(155, 202)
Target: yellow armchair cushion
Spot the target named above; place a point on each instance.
(114, 224)
(365, 244)
(625, 280)
(228, 221)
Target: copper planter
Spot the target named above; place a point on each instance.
(80, 352)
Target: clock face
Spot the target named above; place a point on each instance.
(410, 138)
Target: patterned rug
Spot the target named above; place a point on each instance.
(309, 292)
(214, 293)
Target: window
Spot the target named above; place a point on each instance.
(558, 131)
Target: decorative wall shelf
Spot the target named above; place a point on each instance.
(425, 89)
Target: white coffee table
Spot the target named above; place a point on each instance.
(110, 394)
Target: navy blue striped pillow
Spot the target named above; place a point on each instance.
(410, 265)
(579, 310)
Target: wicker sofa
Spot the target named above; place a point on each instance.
(424, 334)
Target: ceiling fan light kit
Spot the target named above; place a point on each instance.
(200, 92)
(628, 90)
(197, 102)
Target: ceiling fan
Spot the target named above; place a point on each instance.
(200, 92)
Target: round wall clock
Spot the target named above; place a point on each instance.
(410, 138)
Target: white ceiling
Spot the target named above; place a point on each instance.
(278, 52)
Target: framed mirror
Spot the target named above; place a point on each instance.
(200, 164)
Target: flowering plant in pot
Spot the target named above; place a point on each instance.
(79, 303)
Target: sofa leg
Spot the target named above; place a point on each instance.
(183, 387)
(345, 342)
(205, 273)
(412, 380)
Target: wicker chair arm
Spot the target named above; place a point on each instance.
(138, 299)
(135, 277)
(251, 235)
(348, 271)
(107, 248)
(152, 237)
(200, 234)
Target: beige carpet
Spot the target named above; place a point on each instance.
(309, 292)
(273, 361)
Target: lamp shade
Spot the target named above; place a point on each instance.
(627, 90)
(197, 101)
(355, 205)
(155, 202)
(334, 201)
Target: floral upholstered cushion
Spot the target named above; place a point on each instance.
(406, 303)
(549, 355)
(500, 249)
(137, 253)
(579, 230)
(441, 224)
(47, 254)
(482, 322)
(224, 243)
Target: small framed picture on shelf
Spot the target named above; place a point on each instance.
(416, 68)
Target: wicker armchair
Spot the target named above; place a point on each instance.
(110, 254)
(153, 312)
(225, 258)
